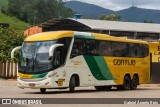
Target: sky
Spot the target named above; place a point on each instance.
(122, 4)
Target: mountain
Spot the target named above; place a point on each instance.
(88, 10)
(135, 14)
(13, 22)
(132, 14)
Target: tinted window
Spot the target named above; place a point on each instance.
(105, 48)
(78, 47)
(60, 53)
(108, 48)
(92, 47)
(118, 49)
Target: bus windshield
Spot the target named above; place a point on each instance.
(34, 57)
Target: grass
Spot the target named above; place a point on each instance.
(13, 22)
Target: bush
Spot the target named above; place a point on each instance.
(9, 39)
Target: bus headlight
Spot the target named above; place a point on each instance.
(52, 74)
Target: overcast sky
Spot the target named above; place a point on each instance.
(122, 4)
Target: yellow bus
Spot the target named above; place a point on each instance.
(69, 59)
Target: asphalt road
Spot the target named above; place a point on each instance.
(9, 89)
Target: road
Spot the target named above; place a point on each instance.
(9, 89)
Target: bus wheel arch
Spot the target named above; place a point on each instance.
(74, 82)
(134, 82)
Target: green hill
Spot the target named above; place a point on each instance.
(13, 22)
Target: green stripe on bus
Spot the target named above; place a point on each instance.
(84, 37)
(39, 75)
(99, 67)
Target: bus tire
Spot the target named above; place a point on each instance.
(134, 83)
(102, 88)
(72, 84)
(126, 84)
(42, 90)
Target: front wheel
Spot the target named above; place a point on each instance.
(72, 84)
(42, 90)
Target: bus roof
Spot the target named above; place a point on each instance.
(61, 34)
(113, 38)
(49, 35)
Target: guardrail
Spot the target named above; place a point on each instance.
(8, 70)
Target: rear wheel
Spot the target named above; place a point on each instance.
(134, 83)
(42, 90)
(72, 84)
(126, 84)
(101, 88)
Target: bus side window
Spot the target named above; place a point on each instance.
(64, 49)
(105, 48)
(126, 50)
(145, 50)
(78, 48)
(117, 49)
(137, 50)
(92, 47)
(57, 58)
(74, 51)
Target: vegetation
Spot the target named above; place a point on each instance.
(13, 22)
(9, 39)
(3, 4)
(148, 21)
(112, 17)
(37, 11)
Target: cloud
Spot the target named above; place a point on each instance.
(122, 4)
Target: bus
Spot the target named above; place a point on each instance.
(69, 59)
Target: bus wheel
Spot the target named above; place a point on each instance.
(72, 84)
(42, 90)
(102, 88)
(134, 83)
(126, 84)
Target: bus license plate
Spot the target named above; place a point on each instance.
(32, 85)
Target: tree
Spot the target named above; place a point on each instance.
(112, 17)
(102, 16)
(148, 21)
(52, 6)
(38, 11)
(9, 39)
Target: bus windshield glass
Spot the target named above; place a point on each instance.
(34, 57)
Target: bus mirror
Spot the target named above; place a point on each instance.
(52, 48)
(15, 49)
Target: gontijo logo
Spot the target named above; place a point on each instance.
(124, 62)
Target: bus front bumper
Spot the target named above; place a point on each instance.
(35, 84)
